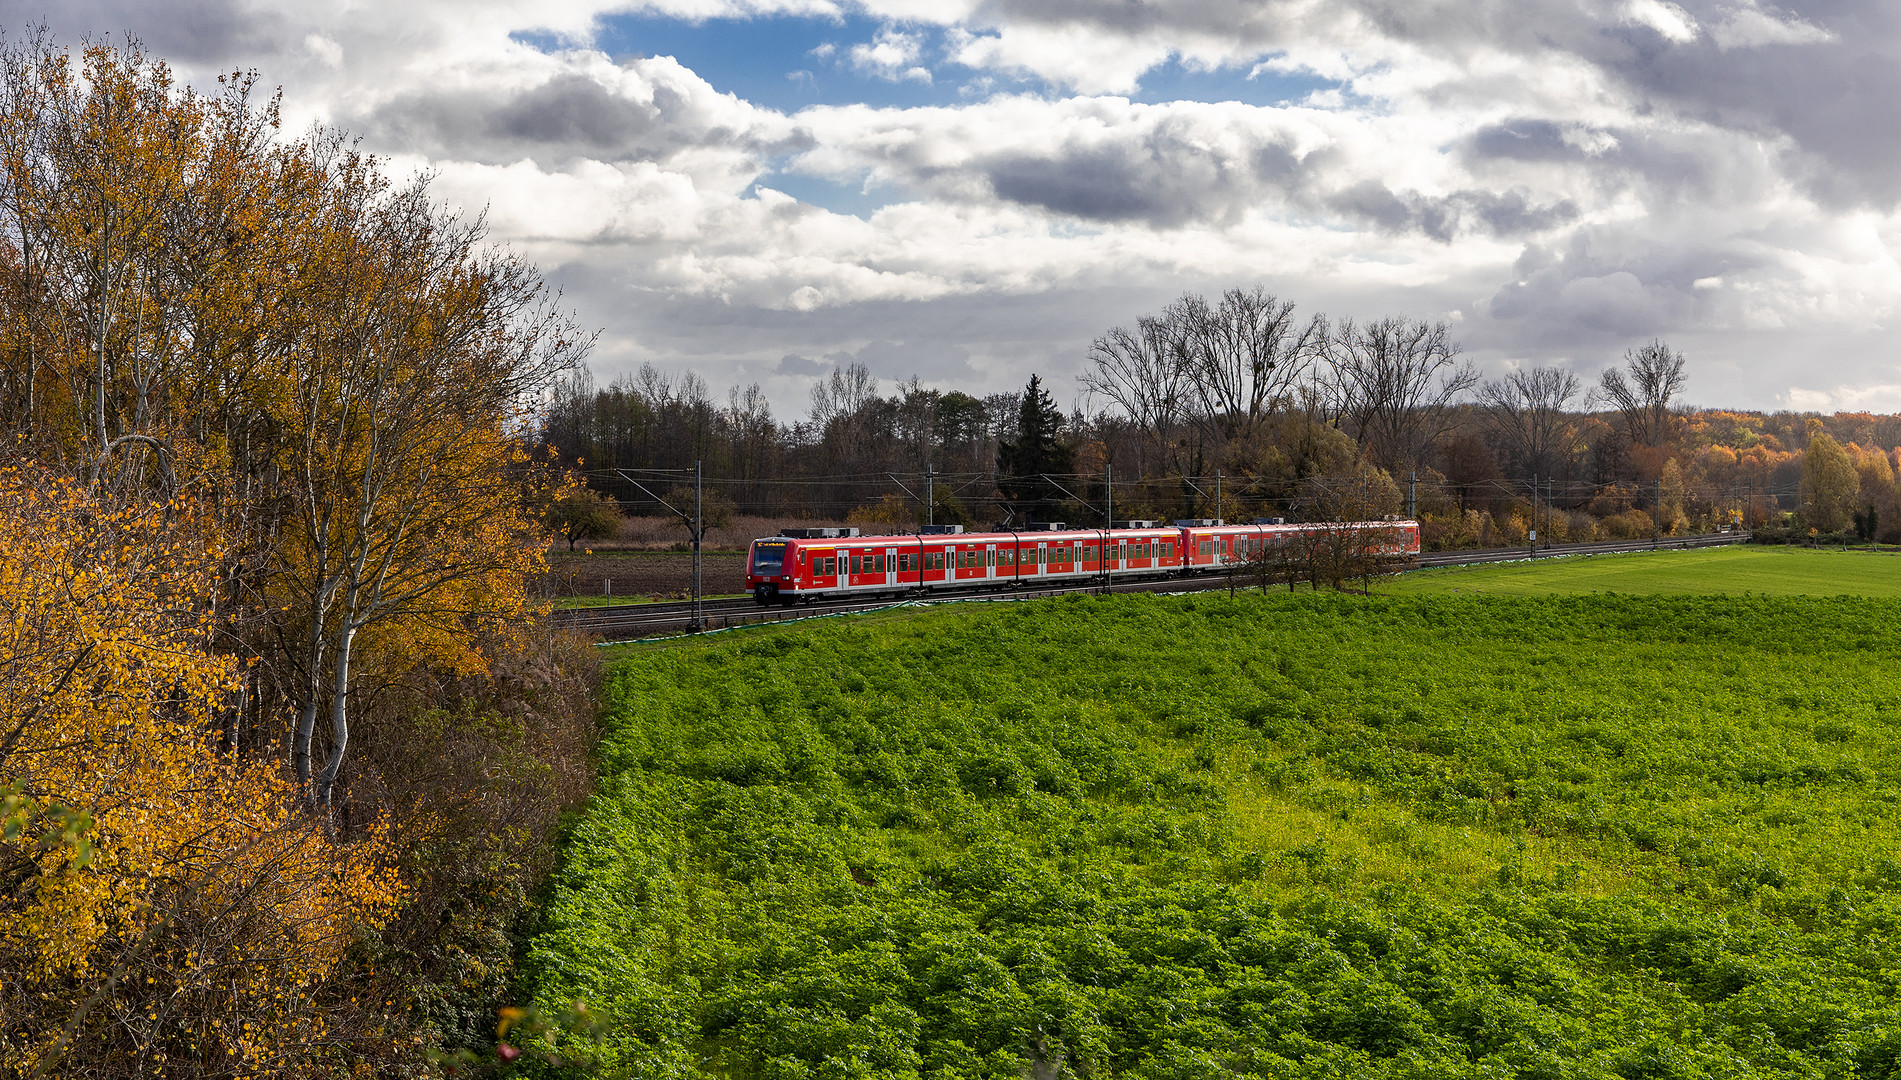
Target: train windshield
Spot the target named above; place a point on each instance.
(768, 559)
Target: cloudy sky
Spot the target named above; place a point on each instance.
(971, 190)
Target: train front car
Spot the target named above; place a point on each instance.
(771, 567)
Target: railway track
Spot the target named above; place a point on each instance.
(640, 620)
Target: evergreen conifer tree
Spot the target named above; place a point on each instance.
(1037, 452)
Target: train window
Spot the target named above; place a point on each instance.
(857, 564)
(880, 567)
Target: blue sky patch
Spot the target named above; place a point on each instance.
(788, 62)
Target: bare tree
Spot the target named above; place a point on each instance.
(1392, 383)
(1143, 374)
(1527, 413)
(842, 394)
(1644, 396)
(1243, 356)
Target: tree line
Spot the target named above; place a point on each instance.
(279, 758)
(1240, 407)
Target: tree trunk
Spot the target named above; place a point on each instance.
(339, 718)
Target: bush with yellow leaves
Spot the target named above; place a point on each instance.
(164, 909)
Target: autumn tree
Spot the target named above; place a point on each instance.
(162, 903)
(577, 514)
(1829, 481)
(401, 413)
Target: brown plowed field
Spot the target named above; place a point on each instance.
(660, 574)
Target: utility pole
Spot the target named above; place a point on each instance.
(929, 495)
(1534, 515)
(1412, 495)
(699, 530)
(1218, 516)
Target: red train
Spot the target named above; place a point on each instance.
(807, 563)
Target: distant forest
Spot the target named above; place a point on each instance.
(1236, 408)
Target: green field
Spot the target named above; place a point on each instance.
(1764, 571)
(1281, 836)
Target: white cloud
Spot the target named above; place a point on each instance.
(1662, 16)
(1522, 162)
(1884, 398)
(893, 55)
(1750, 27)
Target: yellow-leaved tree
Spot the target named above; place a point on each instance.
(1829, 481)
(410, 513)
(160, 898)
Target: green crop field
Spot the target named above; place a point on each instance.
(1281, 836)
(1767, 571)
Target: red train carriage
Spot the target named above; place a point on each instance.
(808, 563)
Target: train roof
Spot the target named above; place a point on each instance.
(853, 536)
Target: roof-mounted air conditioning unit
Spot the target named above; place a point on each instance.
(1197, 523)
(1269, 521)
(1134, 523)
(1048, 526)
(818, 533)
(941, 530)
